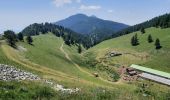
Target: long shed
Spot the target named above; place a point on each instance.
(151, 71)
(152, 74)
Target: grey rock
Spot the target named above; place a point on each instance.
(9, 73)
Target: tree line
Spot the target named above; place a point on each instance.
(12, 38)
(70, 37)
(162, 21)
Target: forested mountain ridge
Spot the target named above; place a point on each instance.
(162, 21)
(69, 36)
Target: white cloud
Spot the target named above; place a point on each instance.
(110, 11)
(92, 7)
(60, 3)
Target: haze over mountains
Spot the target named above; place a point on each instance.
(89, 24)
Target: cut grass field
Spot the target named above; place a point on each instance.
(144, 54)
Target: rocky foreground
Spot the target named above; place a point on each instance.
(10, 73)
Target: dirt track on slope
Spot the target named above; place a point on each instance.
(82, 70)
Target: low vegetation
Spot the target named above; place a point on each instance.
(38, 91)
(25, 90)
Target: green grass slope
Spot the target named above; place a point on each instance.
(51, 59)
(46, 51)
(144, 54)
(46, 58)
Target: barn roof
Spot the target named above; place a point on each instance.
(151, 71)
(156, 78)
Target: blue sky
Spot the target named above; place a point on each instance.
(17, 14)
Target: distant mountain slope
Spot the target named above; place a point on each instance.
(144, 54)
(70, 37)
(162, 21)
(98, 29)
(88, 24)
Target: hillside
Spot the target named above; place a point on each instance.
(144, 54)
(49, 58)
(47, 48)
(70, 37)
(85, 50)
(162, 21)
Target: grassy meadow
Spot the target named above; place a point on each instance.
(144, 54)
(46, 58)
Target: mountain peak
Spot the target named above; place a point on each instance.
(93, 16)
(84, 24)
(79, 15)
(83, 15)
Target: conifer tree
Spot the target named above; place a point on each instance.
(29, 40)
(20, 37)
(134, 40)
(142, 30)
(79, 49)
(150, 40)
(157, 44)
(11, 38)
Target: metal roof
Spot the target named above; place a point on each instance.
(156, 78)
(151, 71)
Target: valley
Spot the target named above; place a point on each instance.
(79, 73)
(84, 50)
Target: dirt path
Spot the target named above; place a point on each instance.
(82, 70)
(67, 56)
(47, 72)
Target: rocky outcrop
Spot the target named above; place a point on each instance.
(61, 88)
(10, 73)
